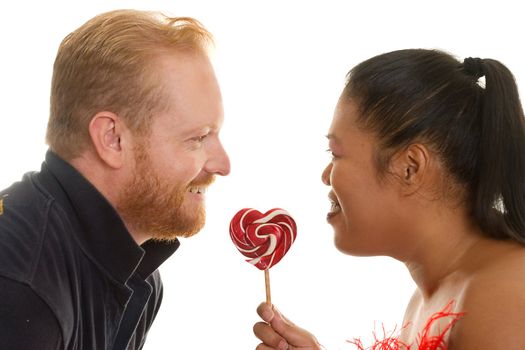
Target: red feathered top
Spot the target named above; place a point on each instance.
(425, 340)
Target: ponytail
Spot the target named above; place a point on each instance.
(498, 190)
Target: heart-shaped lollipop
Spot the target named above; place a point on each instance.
(263, 238)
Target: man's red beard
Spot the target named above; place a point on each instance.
(152, 205)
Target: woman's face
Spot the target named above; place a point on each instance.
(365, 210)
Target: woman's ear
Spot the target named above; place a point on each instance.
(105, 131)
(410, 166)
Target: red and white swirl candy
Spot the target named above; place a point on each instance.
(263, 238)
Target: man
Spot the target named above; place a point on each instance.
(133, 143)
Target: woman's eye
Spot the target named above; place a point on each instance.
(332, 155)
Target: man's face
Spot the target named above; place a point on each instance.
(180, 156)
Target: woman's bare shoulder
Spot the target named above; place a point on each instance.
(494, 302)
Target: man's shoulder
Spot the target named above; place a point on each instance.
(26, 200)
(24, 207)
(23, 198)
(27, 211)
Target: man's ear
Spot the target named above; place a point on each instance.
(105, 131)
(411, 165)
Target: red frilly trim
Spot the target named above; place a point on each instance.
(425, 340)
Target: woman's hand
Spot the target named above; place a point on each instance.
(278, 333)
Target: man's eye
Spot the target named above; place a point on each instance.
(200, 138)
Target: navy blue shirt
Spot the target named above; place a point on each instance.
(71, 275)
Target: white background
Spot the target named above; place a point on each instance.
(281, 66)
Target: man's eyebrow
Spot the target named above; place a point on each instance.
(331, 137)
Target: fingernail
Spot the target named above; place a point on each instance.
(283, 345)
(267, 314)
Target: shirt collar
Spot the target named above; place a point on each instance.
(102, 233)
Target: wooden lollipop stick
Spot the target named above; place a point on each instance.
(267, 282)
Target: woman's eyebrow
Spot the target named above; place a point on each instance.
(332, 136)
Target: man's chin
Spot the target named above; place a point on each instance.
(180, 230)
(170, 237)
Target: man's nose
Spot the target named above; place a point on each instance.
(218, 162)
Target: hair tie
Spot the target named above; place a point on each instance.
(473, 67)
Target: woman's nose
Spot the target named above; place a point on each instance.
(326, 174)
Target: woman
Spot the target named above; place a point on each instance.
(429, 168)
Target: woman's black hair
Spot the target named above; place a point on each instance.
(476, 128)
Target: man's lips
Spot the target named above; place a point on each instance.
(198, 190)
(200, 186)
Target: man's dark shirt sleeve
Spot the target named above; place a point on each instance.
(26, 321)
